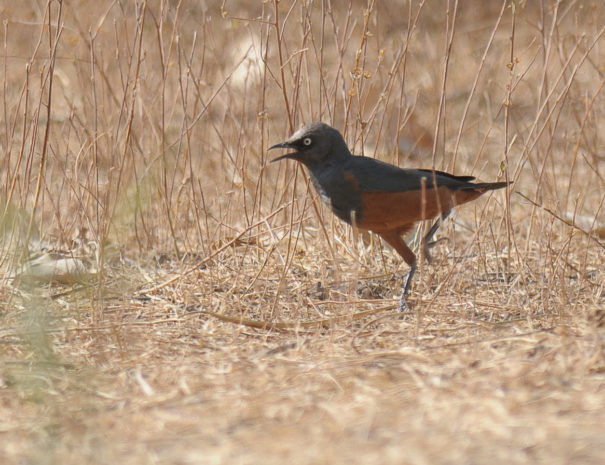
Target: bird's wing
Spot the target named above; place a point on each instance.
(447, 175)
(375, 176)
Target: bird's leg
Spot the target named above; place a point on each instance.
(393, 238)
(426, 242)
(406, 288)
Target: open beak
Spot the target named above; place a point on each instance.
(283, 145)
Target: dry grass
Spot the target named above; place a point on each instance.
(225, 315)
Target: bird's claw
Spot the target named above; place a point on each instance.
(403, 306)
(426, 249)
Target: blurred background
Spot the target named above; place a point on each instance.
(138, 204)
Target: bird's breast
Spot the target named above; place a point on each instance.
(323, 194)
(339, 189)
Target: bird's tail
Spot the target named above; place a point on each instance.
(488, 186)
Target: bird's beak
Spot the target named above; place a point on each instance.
(283, 145)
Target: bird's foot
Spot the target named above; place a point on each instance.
(403, 305)
(406, 307)
(426, 249)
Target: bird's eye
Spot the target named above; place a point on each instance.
(307, 141)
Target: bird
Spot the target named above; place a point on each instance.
(376, 196)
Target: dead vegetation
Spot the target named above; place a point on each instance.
(219, 313)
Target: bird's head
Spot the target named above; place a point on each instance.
(313, 144)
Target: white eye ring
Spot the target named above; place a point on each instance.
(307, 141)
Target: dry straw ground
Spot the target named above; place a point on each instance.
(224, 315)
